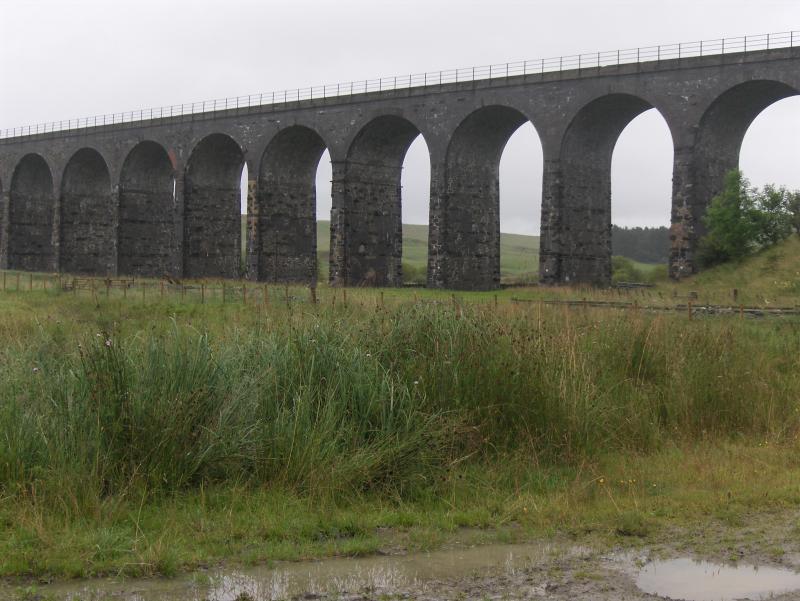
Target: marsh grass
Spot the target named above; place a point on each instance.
(468, 411)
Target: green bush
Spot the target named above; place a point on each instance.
(743, 219)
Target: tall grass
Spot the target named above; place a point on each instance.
(348, 400)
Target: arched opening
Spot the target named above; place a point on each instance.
(415, 183)
(470, 236)
(579, 216)
(771, 146)
(30, 227)
(247, 219)
(147, 212)
(367, 236)
(520, 206)
(367, 245)
(324, 205)
(716, 151)
(286, 199)
(641, 190)
(88, 241)
(212, 212)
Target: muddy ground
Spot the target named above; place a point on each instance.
(595, 567)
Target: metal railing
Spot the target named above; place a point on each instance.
(742, 44)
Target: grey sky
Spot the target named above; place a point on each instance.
(64, 59)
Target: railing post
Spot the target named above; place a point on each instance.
(701, 47)
(679, 49)
(767, 41)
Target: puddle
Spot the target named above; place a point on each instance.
(691, 580)
(286, 580)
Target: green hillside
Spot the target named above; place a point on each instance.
(519, 255)
(771, 277)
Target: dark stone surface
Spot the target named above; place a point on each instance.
(88, 221)
(114, 212)
(30, 221)
(212, 230)
(147, 212)
(284, 214)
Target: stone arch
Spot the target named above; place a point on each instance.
(87, 241)
(722, 130)
(576, 213)
(31, 206)
(147, 212)
(212, 219)
(470, 232)
(286, 206)
(366, 222)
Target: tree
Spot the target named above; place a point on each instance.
(731, 221)
(743, 219)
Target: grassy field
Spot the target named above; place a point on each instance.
(149, 435)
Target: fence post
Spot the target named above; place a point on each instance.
(30, 282)
(313, 293)
(202, 294)
(689, 307)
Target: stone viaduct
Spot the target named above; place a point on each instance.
(160, 196)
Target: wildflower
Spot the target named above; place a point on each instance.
(369, 354)
(601, 481)
(36, 370)
(108, 342)
(416, 382)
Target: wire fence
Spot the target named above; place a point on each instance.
(633, 300)
(592, 60)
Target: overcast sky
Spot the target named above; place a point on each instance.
(63, 59)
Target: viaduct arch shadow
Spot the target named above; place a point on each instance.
(147, 212)
(576, 208)
(31, 208)
(286, 200)
(470, 202)
(212, 242)
(87, 216)
(366, 218)
(716, 151)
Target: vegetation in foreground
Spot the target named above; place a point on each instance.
(147, 438)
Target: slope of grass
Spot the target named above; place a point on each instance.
(771, 277)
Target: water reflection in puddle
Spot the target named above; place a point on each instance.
(287, 580)
(691, 580)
